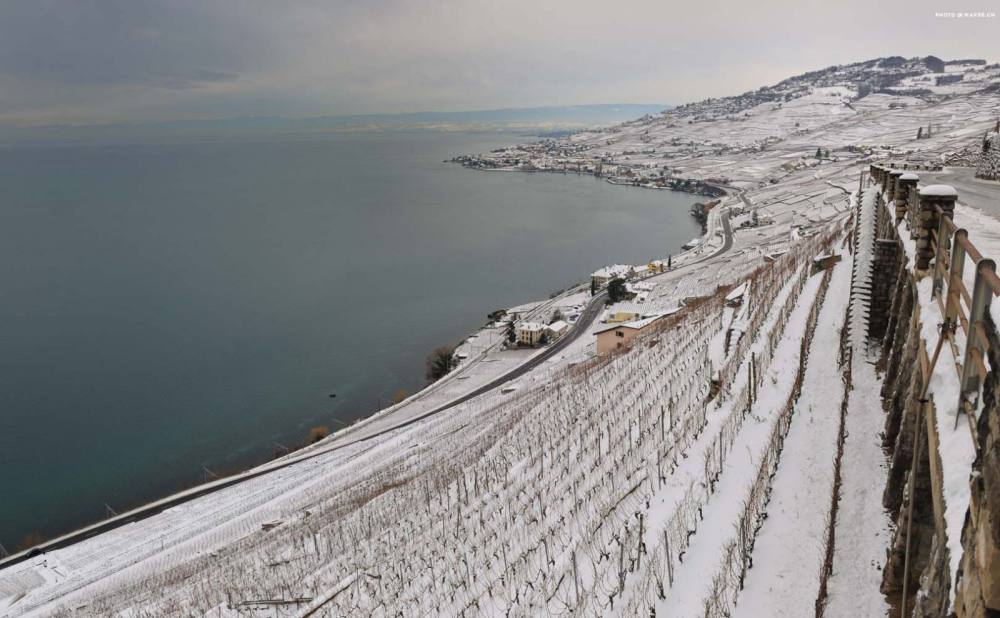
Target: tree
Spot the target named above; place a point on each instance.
(617, 290)
(593, 287)
(556, 316)
(440, 362)
(317, 433)
(920, 133)
(28, 541)
(934, 63)
(819, 153)
(511, 333)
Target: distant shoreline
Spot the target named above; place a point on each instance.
(244, 459)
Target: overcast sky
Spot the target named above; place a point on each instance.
(92, 61)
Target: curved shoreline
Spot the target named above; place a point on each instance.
(255, 467)
(680, 188)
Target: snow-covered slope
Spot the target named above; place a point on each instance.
(668, 477)
(874, 108)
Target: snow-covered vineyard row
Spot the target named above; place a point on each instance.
(581, 498)
(736, 554)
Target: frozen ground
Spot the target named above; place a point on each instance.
(783, 582)
(604, 486)
(863, 529)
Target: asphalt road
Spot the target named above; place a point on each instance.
(727, 235)
(582, 326)
(972, 191)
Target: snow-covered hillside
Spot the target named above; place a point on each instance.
(874, 108)
(688, 474)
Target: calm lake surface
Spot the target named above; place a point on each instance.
(169, 307)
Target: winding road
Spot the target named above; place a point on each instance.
(582, 326)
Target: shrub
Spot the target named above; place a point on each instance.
(318, 433)
(28, 541)
(440, 362)
(617, 290)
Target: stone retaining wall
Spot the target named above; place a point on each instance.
(895, 324)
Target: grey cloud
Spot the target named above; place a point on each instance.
(135, 60)
(120, 42)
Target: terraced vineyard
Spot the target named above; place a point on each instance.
(629, 484)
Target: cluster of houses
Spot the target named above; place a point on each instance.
(624, 322)
(601, 277)
(533, 334)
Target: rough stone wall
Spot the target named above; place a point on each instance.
(895, 324)
(899, 360)
(901, 399)
(935, 582)
(989, 160)
(978, 589)
(885, 273)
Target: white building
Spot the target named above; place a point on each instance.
(600, 278)
(557, 329)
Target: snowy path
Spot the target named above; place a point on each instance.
(863, 527)
(790, 545)
(862, 530)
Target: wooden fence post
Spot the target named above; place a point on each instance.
(940, 252)
(670, 563)
(953, 301)
(974, 345)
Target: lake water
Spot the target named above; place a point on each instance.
(169, 307)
